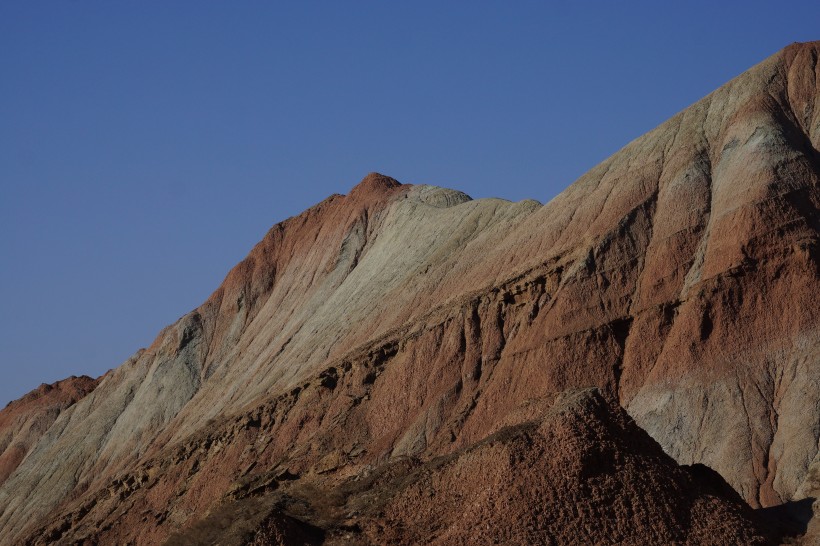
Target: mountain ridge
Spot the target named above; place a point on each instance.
(654, 262)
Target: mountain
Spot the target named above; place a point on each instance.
(389, 364)
(24, 421)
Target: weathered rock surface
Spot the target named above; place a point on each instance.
(581, 472)
(24, 421)
(409, 323)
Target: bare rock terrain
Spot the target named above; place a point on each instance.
(409, 334)
(24, 421)
(581, 472)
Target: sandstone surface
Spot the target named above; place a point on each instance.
(409, 323)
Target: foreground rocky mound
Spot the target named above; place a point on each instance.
(408, 323)
(583, 473)
(580, 473)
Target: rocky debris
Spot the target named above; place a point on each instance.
(278, 530)
(582, 473)
(401, 324)
(573, 449)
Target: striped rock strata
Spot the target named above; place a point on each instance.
(400, 322)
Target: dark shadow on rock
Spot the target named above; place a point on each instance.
(710, 481)
(790, 519)
(781, 522)
(283, 530)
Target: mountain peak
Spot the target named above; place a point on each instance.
(375, 183)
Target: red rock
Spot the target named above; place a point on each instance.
(24, 421)
(406, 324)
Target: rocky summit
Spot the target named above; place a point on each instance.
(635, 362)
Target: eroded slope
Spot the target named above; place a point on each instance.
(24, 421)
(679, 276)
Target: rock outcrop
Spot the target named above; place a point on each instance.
(409, 323)
(580, 472)
(584, 473)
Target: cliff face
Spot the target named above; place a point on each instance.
(408, 323)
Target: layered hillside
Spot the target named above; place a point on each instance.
(409, 323)
(24, 421)
(580, 471)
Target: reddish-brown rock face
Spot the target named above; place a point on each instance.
(24, 421)
(583, 473)
(384, 335)
(579, 472)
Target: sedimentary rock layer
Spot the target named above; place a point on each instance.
(579, 472)
(679, 277)
(24, 421)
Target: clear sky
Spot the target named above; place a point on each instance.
(146, 146)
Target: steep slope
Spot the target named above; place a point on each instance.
(24, 421)
(679, 276)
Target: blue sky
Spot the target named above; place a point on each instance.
(145, 147)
